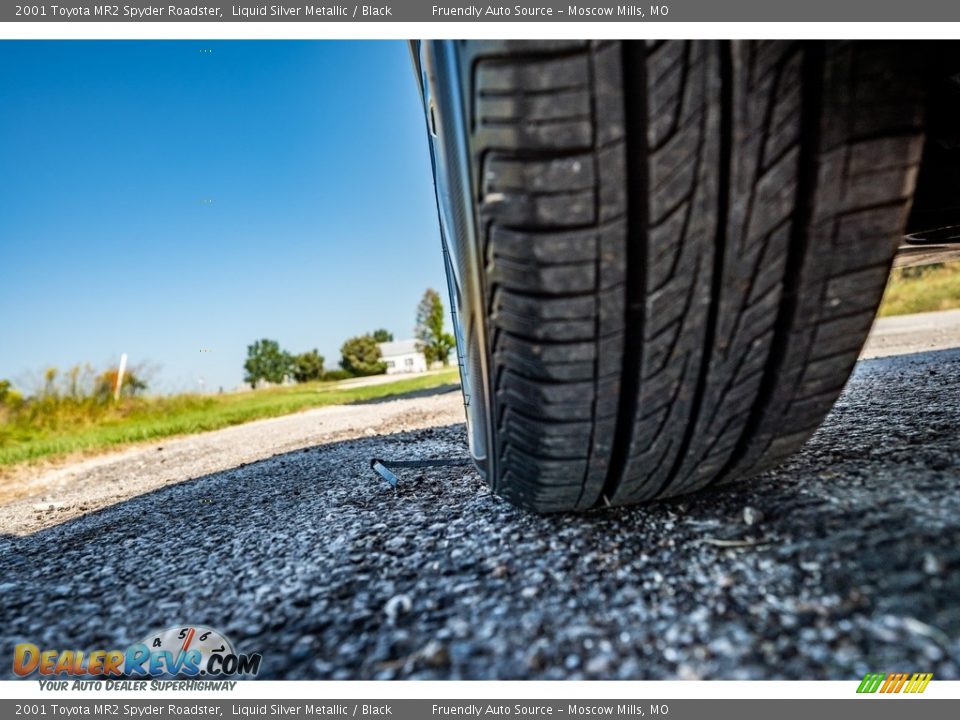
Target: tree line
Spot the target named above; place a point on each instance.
(359, 356)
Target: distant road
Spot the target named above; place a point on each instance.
(382, 379)
(906, 334)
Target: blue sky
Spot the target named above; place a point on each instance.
(160, 200)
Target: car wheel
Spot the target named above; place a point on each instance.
(665, 256)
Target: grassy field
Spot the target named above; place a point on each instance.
(64, 430)
(926, 288)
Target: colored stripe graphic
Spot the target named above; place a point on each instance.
(870, 683)
(894, 682)
(918, 683)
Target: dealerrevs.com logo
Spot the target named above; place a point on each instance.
(187, 651)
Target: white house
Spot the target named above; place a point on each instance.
(402, 356)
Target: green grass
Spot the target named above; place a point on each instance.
(142, 419)
(925, 288)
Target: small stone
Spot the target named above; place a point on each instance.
(932, 565)
(435, 654)
(458, 627)
(529, 592)
(751, 516)
(537, 657)
(396, 606)
(47, 506)
(303, 648)
(598, 665)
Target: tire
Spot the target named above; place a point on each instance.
(681, 245)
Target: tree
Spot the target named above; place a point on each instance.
(308, 366)
(361, 356)
(382, 336)
(433, 342)
(266, 361)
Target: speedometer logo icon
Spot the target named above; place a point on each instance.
(183, 639)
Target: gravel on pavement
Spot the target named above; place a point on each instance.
(845, 560)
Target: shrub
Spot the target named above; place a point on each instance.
(7, 393)
(10, 401)
(107, 381)
(308, 366)
(79, 397)
(361, 356)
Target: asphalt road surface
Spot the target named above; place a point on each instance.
(845, 560)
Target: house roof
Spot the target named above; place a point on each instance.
(398, 347)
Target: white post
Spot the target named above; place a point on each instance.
(120, 371)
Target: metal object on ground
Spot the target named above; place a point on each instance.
(382, 467)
